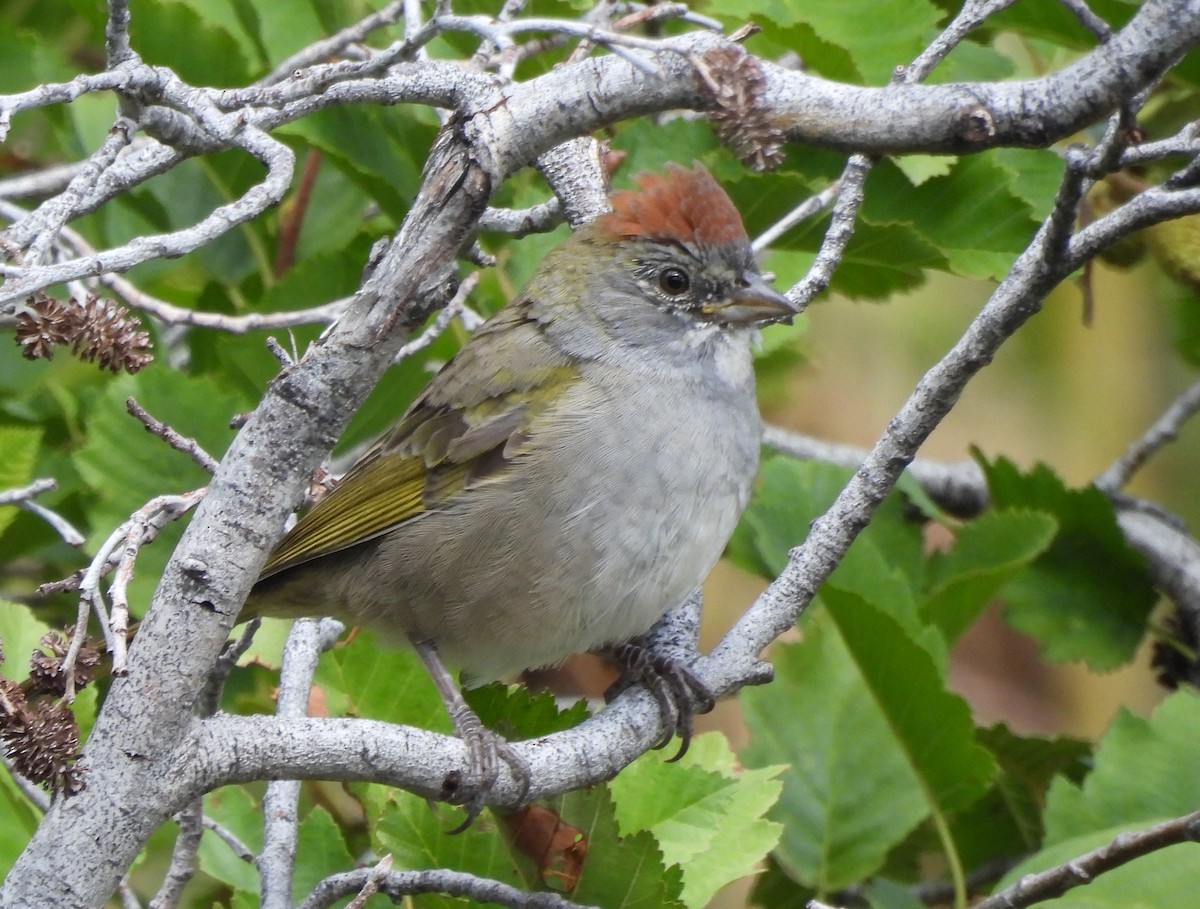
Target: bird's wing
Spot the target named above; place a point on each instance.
(469, 422)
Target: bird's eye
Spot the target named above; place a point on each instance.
(674, 281)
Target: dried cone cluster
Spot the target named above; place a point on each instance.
(98, 330)
(38, 731)
(734, 82)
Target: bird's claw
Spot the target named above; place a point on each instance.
(679, 692)
(485, 751)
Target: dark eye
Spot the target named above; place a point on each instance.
(674, 281)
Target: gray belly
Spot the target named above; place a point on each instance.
(583, 547)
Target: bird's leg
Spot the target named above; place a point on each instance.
(485, 748)
(679, 692)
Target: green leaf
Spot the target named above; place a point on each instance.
(234, 809)
(898, 31)
(919, 168)
(789, 495)
(1144, 775)
(882, 893)
(775, 888)
(320, 851)
(621, 872)
(971, 61)
(518, 713)
(1007, 821)
(381, 157)
(987, 225)
(20, 820)
(850, 794)
(414, 834)
(930, 726)
(1088, 597)
(367, 678)
(987, 553)
(214, 16)
(1034, 175)
(18, 453)
(649, 146)
(20, 632)
(209, 56)
(708, 821)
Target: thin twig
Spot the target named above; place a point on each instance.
(322, 50)
(801, 212)
(521, 222)
(837, 236)
(116, 34)
(1088, 19)
(38, 797)
(1124, 848)
(58, 211)
(276, 863)
(377, 876)
(1165, 429)
(128, 897)
(170, 314)
(188, 446)
(229, 838)
(23, 497)
(401, 884)
(184, 857)
(442, 320)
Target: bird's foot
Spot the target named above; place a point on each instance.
(679, 691)
(485, 751)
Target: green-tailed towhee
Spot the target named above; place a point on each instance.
(576, 469)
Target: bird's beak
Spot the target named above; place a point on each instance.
(756, 302)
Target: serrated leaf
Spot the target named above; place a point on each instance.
(919, 168)
(18, 453)
(518, 713)
(1144, 774)
(320, 851)
(850, 795)
(1036, 175)
(897, 34)
(1007, 821)
(789, 495)
(707, 819)
(1088, 597)
(883, 259)
(414, 833)
(972, 215)
(931, 726)
(987, 553)
(621, 872)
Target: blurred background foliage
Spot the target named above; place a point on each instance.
(1069, 391)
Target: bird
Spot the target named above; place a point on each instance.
(571, 474)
